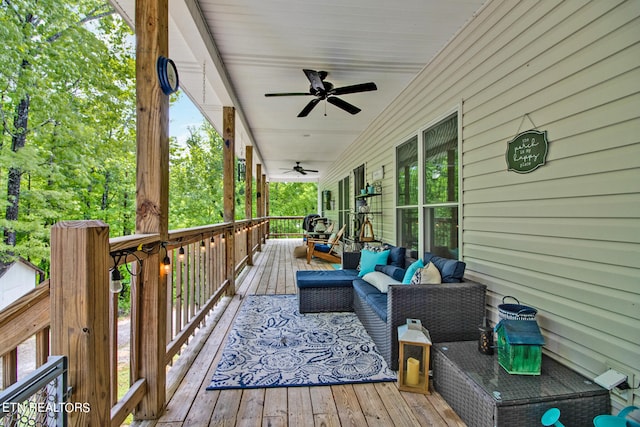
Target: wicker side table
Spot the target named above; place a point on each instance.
(483, 394)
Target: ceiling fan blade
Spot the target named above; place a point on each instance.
(349, 108)
(302, 172)
(307, 109)
(310, 170)
(362, 87)
(288, 94)
(315, 79)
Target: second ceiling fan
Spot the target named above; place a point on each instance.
(324, 90)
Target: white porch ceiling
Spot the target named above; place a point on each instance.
(232, 52)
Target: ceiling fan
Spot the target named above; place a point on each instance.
(324, 90)
(299, 169)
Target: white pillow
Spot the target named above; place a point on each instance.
(380, 280)
(429, 275)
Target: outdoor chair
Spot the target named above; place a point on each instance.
(325, 248)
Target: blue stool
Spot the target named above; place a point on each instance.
(551, 417)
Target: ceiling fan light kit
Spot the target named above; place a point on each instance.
(325, 91)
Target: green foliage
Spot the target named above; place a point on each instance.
(195, 187)
(67, 103)
(292, 198)
(67, 117)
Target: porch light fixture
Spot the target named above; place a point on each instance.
(242, 169)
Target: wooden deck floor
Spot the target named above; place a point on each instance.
(190, 404)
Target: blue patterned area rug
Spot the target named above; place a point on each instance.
(273, 345)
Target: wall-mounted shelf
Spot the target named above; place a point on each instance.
(366, 196)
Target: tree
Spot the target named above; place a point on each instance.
(195, 179)
(292, 198)
(66, 101)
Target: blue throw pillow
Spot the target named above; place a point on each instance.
(369, 260)
(395, 273)
(396, 256)
(411, 271)
(451, 270)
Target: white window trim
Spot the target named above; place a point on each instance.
(421, 202)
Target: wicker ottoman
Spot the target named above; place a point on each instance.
(483, 394)
(325, 290)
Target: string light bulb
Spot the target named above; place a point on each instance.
(181, 254)
(202, 246)
(212, 242)
(166, 264)
(115, 286)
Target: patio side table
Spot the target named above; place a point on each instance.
(483, 394)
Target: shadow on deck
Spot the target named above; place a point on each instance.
(190, 404)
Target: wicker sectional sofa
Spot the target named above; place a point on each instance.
(450, 311)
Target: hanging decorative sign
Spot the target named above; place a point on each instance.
(527, 151)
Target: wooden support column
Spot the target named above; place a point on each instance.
(266, 205)
(265, 198)
(152, 199)
(229, 184)
(259, 211)
(80, 314)
(248, 200)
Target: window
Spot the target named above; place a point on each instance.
(358, 179)
(440, 180)
(343, 205)
(407, 194)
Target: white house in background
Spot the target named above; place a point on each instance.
(16, 279)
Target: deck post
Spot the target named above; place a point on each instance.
(266, 205)
(248, 200)
(229, 186)
(259, 211)
(152, 199)
(80, 315)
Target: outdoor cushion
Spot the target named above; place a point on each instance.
(369, 260)
(363, 288)
(411, 270)
(396, 256)
(395, 273)
(324, 278)
(378, 302)
(380, 280)
(451, 270)
(428, 275)
(321, 247)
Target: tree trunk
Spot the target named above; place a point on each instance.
(15, 174)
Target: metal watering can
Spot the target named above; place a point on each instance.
(552, 418)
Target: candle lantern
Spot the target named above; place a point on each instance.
(415, 346)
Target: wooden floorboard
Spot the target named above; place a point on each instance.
(357, 405)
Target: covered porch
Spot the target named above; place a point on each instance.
(564, 238)
(190, 404)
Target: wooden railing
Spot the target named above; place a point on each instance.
(286, 227)
(77, 311)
